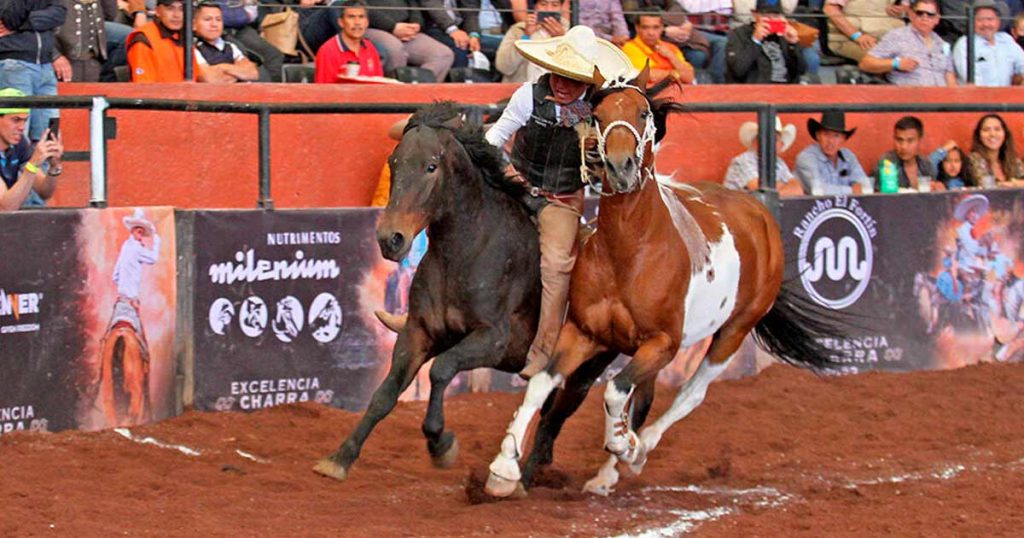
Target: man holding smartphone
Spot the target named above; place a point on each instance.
(765, 51)
(25, 183)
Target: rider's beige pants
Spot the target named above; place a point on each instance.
(558, 225)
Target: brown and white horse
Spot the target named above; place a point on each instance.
(666, 269)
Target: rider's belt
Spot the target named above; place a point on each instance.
(572, 199)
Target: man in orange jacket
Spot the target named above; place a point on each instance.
(156, 50)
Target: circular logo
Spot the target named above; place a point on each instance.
(252, 316)
(289, 319)
(835, 258)
(221, 314)
(325, 318)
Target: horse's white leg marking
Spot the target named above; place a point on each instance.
(688, 399)
(606, 478)
(617, 432)
(505, 464)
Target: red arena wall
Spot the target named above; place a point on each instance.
(194, 160)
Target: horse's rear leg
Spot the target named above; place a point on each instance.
(483, 347)
(566, 401)
(573, 349)
(410, 353)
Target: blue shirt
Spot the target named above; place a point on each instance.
(11, 163)
(995, 63)
(814, 168)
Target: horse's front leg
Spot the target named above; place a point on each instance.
(411, 351)
(573, 349)
(482, 348)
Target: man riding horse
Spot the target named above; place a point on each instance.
(545, 156)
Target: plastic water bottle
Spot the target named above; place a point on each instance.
(888, 178)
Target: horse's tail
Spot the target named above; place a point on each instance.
(794, 328)
(117, 362)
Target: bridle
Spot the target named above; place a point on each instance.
(642, 140)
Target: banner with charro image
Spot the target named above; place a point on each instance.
(86, 318)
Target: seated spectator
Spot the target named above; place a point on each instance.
(512, 66)
(711, 18)
(702, 51)
(826, 167)
(993, 159)
(117, 26)
(910, 165)
(743, 172)
(742, 14)
(240, 26)
(765, 51)
(81, 42)
(913, 55)
(856, 26)
(25, 183)
(349, 47)
(222, 61)
(605, 18)
(951, 164)
(666, 60)
(156, 52)
(318, 22)
(458, 30)
(397, 32)
(998, 60)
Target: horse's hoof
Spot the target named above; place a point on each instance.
(395, 322)
(446, 460)
(499, 487)
(331, 469)
(597, 486)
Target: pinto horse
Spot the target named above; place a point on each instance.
(666, 269)
(475, 298)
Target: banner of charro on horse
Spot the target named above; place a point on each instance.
(124, 352)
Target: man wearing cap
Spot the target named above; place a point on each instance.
(913, 55)
(24, 184)
(998, 60)
(765, 51)
(743, 172)
(826, 167)
(27, 29)
(542, 117)
(156, 50)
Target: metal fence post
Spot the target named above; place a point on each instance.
(574, 13)
(970, 43)
(265, 201)
(187, 38)
(766, 146)
(98, 152)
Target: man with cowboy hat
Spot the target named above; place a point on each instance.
(998, 60)
(545, 155)
(128, 269)
(826, 167)
(25, 183)
(743, 170)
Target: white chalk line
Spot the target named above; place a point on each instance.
(127, 434)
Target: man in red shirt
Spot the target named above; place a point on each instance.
(349, 46)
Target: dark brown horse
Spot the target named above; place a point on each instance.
(476, 294)
(666, 269)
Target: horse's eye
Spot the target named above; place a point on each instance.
(645, 114)
(431, 168)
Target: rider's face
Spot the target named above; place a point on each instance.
(138, 233)
(565, 90)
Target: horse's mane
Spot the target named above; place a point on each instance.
(487, 158)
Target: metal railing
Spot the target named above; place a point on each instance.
(98, 125)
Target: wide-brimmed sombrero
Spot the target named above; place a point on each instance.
(748, 131)
(975, 202)
(575, 54)
(139, 220)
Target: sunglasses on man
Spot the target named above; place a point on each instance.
(926, 14)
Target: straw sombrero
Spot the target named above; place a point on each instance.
(748, 131)
(575, 54)
(975, 202)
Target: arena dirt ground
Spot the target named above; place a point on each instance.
(781, 454)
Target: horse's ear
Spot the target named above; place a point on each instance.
(645, 74)
(599, 79)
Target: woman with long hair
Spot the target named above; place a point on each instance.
(993, 154)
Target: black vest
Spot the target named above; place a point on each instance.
(214, 56)
(545, 153)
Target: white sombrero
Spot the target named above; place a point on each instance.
(139, 220)
(575, 54)
(974, 202)
(748, 132)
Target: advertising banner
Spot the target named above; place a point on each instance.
(87, 303)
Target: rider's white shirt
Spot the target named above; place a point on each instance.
(128, 270)
(517, 113)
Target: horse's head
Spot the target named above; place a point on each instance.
(420, 167)
(624, 125)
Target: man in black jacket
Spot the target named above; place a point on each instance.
(398, 32)
(27, 52)
(765, 51)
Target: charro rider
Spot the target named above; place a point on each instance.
(545, 154)
(128, 272)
